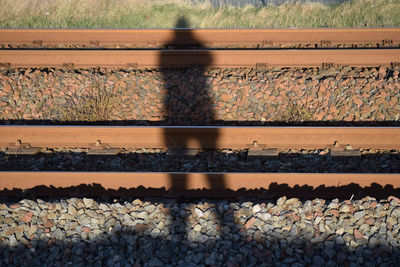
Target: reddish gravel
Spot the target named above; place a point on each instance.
(358, 95)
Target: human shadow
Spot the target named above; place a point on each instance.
(187, 101)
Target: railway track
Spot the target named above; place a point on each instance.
(140, 59)
(202, 137)
(200, 40)
(260, 141)
(342, 225)
(214, 38)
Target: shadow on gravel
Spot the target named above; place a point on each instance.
(127, 247)
(274, 238)
(197, 109)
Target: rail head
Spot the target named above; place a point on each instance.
(142, 59)
(139, 38)
(201, 137)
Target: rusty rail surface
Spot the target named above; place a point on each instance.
(202, 137)
(198, 58)
(199, 137)
(375, 37)
(214, 181)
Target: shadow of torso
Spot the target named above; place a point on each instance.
(187, 100)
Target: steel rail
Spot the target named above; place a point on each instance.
(215, 181)
(198, 58)
(207, 37)
(202, 137)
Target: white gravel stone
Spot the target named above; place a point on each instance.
(344, 208)
(13, 241)
(142, 215)
(358, 215)
(280, 201)
(396, 212)
(247, 204)
(88, 202)
(265, 216)
(198, 212)
(256, 208)
(149, 208)
(197, 228)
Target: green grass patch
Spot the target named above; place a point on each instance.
(149, 14)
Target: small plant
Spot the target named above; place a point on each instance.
(97, 105)
(295, 111)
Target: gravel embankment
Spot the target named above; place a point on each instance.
(158, 232)
(312, 161)
(345, 96)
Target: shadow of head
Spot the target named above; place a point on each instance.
(182, 23)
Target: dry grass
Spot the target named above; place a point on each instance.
(295, 113)
(296, 110)
(98, 104)
(149, 14)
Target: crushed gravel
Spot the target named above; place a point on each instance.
(226, 160)
(160, 232)
(306, 96)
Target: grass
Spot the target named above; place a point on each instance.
(295, 113)
(149, 14)
(98, 104)
(297, 110)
